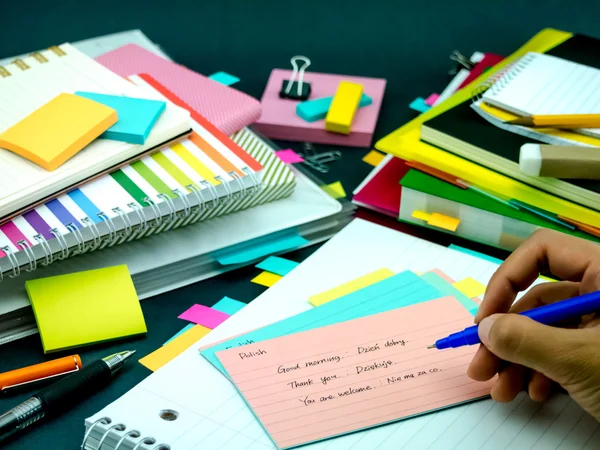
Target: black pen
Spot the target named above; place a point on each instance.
(63, 394)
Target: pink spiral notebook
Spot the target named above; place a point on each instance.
(227, 108)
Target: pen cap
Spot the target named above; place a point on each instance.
(39, 371)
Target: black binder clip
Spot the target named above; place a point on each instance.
(296, 89)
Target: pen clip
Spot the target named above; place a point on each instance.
(15, 388)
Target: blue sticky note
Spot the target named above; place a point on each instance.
(137, 116)
(228, 306)
(259, 248)
(447, 289)
(403, 289)
(224, 78)
(275, 264)
(476, 254)
(418, 104)
(180, 332)
(312, 110)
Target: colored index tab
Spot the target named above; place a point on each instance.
(429, 101)
(267, 279)
(350, 286)
(137, 116)
(374, 158)
(205, 316)
(85, 308)
(58, 130)
(277, 265)
(418, 104)
(475, 254)
(421, 215)
(444, 222)
(224, 78)
(251, 251)
(228, 305)
(289, 156)
(470, 287)
(316, 109)
(189, 326)
(343, 107)
(174, 348)
(336, 190)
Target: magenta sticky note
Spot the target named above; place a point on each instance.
(431, 99)
(279, 120)
(205, 316)
(289, 156)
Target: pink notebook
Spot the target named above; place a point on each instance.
(279, 120)
(227, 108)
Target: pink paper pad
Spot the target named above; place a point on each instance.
(357, 374)
(289, 156)
(205, 316)
(227, 108)
(279, 120)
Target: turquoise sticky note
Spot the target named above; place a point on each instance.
(180, 332)
(136, 116)
(259, 248)
(475, 254)
(275, 264)
(447, 289)
(228, 306)
(541, 213)
(418, 104)
(312, 110)
(224, 78)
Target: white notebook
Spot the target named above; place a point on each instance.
(66, 70)
(212, 415)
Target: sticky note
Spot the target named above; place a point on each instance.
(355, 374)
(316, 109)
(228, 305)
(254, 250)
(429, 101)
(267, 279)
(350, 286)
(85, 308)
(205, 316)
(58, 130)
(336, 190)
(373, 158)
(277, 265)
(137, 116)
(180, 332)
(289, 156)
(418, 104)
(421, 215)
(470, 287)
(174, 348)
(437, 220)
(343, 107)
(224, 78)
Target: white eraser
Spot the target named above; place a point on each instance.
(530, 159)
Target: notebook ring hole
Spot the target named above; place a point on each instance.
(169, 415)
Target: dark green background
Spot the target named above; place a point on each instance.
(406, 42)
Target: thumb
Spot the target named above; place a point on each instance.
(555, 352)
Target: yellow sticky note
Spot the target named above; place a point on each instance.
(470, 287)
(373, 158)
(58, 130)
(267, 279)
(173, 348)
(421, 215)
(85, 308)
(343, 107)
(351, 286)
(444, 222)
(336, 190)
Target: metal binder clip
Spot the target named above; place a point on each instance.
(317, 161)
(462, 62)
(296, 90)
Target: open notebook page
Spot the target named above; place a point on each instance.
(540, 84)
(214, 416)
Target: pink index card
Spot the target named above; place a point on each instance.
(431, 99)
(205, 316)
(289, 156)
(353, 375)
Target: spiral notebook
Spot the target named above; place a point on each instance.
(29, 83)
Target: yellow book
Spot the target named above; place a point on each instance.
(343, 107)
(58, 130)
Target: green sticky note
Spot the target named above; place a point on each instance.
(85, 308)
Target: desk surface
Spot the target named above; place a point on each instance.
(407, 43)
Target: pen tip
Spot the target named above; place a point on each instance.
(431, 346)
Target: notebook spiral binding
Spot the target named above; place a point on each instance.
(143, 442)
(5, 73)
(500, 80)
(205, 199)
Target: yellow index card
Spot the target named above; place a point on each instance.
(85, 308)
(58, 130)
(267, 279)
(470, 287)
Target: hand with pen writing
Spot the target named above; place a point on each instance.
(527, 354)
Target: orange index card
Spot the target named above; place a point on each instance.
(353, 375)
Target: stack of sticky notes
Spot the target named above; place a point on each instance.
(85, 308)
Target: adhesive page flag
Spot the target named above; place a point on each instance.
(267, 279)
(167, 352)
(277, 265)
(205, 316)
(470, 287)
(224, 78)
(289, 156)
(228, 305)
(336, 190)
(374, 158)
(180, 332)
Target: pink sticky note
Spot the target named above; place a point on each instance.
(431, 99)
(357, 374)
(205, 316)
(289, 156)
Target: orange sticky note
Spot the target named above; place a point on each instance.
(329, 381)
(58, 130)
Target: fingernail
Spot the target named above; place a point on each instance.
(484, 329)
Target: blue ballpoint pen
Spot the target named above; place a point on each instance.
(547, 315)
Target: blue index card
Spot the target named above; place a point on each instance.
(403, 289)
(259, 248)
(479, 255)
(418, 104)
(137, 116)
(448, 290)
(275, 264)
(228, 306)
(224, 78)
(180, 332)
(312, 110)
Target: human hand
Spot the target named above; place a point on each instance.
(525, 353)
